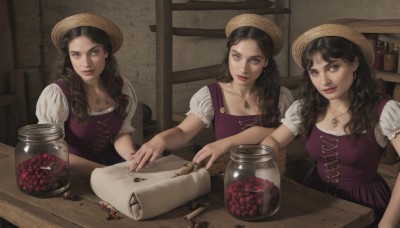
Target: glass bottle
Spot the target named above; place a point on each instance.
(379, 52)
(396, 53)
(41, 160)
(390, 61)
(252, 183)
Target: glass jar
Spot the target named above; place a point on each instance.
(252, 183)
(41, 160)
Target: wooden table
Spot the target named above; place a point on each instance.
(300, 207)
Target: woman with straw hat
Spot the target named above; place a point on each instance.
(345, 122)
(90, 99)
(246, 103)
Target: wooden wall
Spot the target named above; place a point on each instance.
(6, 62)
(32, 20)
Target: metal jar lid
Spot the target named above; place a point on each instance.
(251, 153)
(40, 132)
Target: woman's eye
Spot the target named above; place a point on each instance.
(312, 73)
(75, 55)
(235, 57)
(94, 52)
(333, 68)
(255, 61)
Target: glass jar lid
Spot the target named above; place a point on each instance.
(251, 153)
(40, 132)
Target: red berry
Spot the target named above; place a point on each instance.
(251, 197)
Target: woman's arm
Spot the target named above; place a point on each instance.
(170, 139)
(123, 142)
(214, 150)
(82, 165)
(280, 138)
(392, 213)
(125, 146)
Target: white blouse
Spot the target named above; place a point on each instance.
(201, 104)
(387, 128)
(52, 106)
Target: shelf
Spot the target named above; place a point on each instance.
(372, 26)
(388, 77)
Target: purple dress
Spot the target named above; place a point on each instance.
(92, 140)
(348, 170)
(226, 125)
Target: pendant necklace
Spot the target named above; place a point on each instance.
(335, 121)
(98, 101)
(246, 104)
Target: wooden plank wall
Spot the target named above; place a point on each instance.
(6, 63)
(25, 19)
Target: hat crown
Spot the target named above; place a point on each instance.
(260, 22)
(87, 19)
(343, 31)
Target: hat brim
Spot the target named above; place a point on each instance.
(337, 30)
(260, 22)
(87, 19)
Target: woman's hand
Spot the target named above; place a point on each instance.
(147, 153)
(212, 151)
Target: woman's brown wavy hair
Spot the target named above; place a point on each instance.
(362, 94)
(110, 76)
(266, 87)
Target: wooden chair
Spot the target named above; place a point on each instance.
(165, 77)
(13, 109)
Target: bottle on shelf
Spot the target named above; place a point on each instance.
(390, 60)
(396, 49)
(379, 52)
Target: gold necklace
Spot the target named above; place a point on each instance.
(246, 104)
(335, 121)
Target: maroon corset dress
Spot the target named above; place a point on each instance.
(92, 140)
(348, 169)
(226, 125)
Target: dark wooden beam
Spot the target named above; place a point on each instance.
(197, 74)
(163, 65)
(217, 33)
(221, 5)
(270, 11)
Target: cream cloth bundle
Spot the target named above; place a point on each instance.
(152, 191)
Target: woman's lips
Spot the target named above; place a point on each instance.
(242, 78)
(88, 72)
(329, 90)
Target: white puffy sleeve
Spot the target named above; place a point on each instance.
(128, 89)
(52, 105)
(292, 117)
(390, 119)
(201, 106)
(285, 100)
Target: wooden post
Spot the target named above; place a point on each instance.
(6, 64)
(164, 64)
(6, 47)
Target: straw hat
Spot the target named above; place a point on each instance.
(87, 19)
(332, 30)
(260, 22)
